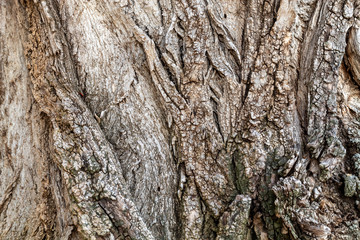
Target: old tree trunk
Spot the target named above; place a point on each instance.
(179, 119)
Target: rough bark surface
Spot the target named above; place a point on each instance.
(180, 119)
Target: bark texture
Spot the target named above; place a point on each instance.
(180, 119)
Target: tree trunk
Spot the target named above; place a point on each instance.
(180, 119)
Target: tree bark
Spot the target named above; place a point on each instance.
(180, 119)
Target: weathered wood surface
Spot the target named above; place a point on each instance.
(179, 119)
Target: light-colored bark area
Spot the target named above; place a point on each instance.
(179, 119)
(32, 199)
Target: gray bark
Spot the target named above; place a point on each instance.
(179, 119)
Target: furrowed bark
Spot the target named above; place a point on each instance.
(189, 119)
